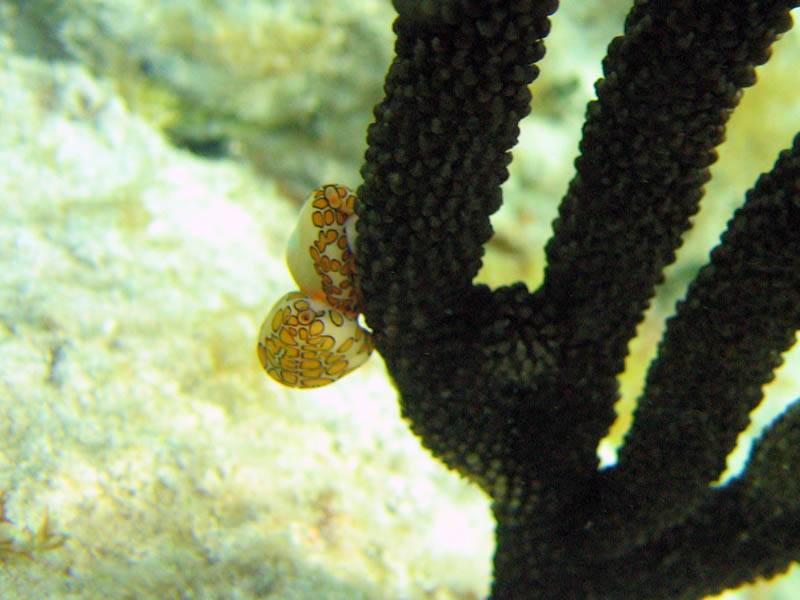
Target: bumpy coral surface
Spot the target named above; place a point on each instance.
(514, 388)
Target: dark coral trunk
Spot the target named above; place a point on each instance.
(515, 389)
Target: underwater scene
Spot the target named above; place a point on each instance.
(154, 159)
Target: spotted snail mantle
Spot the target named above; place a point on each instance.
(311, 337)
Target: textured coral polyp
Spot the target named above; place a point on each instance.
(514, 389)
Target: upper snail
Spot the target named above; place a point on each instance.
(311, 337)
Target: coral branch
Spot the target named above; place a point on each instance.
(515, 389)
(438, 152)
(748, 529)
(670, 85)
(739, 316)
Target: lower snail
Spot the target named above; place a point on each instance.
(312, 337)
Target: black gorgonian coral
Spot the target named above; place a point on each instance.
(514, 389)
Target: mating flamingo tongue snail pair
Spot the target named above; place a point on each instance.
(311, 337)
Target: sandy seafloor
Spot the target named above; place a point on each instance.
(143, 453)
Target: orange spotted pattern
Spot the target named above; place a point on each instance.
(305, 343)
(311, 337)
(331, 254)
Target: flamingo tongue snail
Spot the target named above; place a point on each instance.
(311, 337)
